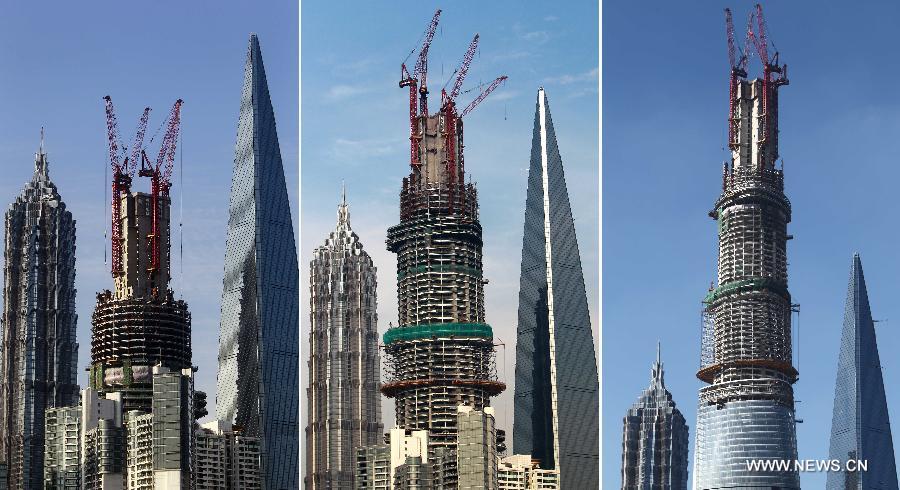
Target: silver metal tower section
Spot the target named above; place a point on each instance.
(747, 411)
(655, 439)
(39, 351)
(441, 354)
(259, 336)
(343, 398)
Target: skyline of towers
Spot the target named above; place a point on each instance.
(746, 350)
(557, 385)
(655, 439)
(39, 348)
(343, 399)
(860, 427)
(257, 382)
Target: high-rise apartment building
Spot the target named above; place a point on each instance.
(343, 398)
(160, 444)
(521, 472)
(557, 385)
(747, 409)
(476, 449)
(860, 425)
(62, 451)
(377, 465)
(655, 439)
(257, 384)
(225, 458)
(39, 351)
(103, 448)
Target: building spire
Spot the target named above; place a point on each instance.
(40, 160)
(343, 209)
(656, 372)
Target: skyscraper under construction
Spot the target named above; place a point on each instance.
(39, 352)
(441, 353)
(139, 324)
(747, 411)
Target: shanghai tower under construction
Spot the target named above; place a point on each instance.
(441, 353)
(747, 411)
(139, 324)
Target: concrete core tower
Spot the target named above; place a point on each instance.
(441, 355)
(139, 324)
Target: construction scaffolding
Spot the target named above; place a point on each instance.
(442, 353)
(139, 324)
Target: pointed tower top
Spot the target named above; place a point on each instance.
(41, 168)
(343, 209)
(656, 373)
(860, 422)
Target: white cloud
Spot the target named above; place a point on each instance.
(590, 75)
(539, 37)
(359, 150)
(340, 92)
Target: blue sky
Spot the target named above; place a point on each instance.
(665, 96)
(355, 128)
(59, 62)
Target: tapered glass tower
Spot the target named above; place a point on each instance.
(343, 401)
(746, 412)
(556, 395)
(38, 369)
(860, 428)
(257, 386)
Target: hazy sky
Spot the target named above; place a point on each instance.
(665, 102)
(355, 128)
(59, 62)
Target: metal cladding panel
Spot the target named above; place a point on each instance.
(259, 336)
(576, 381)
(39, 351)
(730, 436)
(860, 426)
(343, 398)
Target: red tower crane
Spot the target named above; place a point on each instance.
(769, 116)
(448, 106)
(418, 87)
(160, 177)
(122, 174)
(490, 88)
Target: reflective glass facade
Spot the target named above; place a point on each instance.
(654, 439)
(860, 427)
(257, 385)
(39, 351)
(556, 394)
(343, 398)
(730, 435)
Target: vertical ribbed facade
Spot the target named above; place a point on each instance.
(257, 384)
(441, 354)
(39, 351)
(343, 398)
(557, 385)
(747, 411)
(655, 440)
(860, 426)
